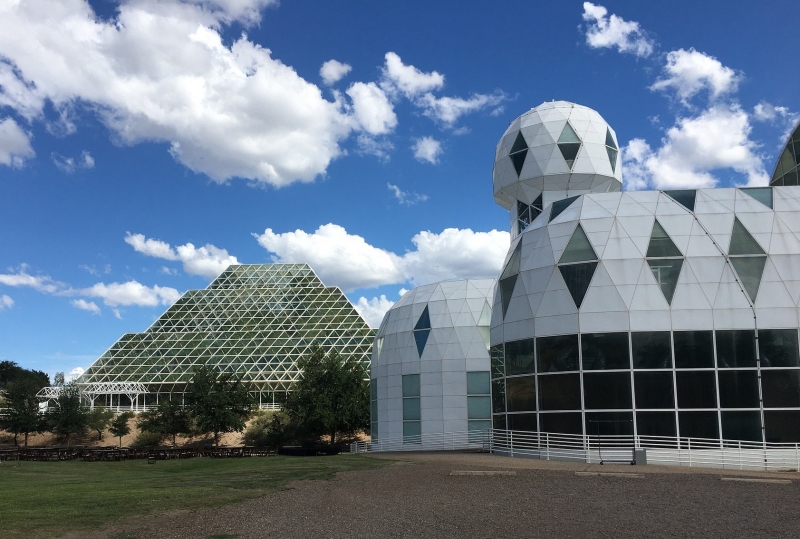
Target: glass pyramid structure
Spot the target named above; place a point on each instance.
(253, 320)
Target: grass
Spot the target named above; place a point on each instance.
(43, 499)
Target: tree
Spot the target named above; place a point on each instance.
(11, 372)
(22, 415)
(58, 379)
(99, 418)
(119, 426)
(68, 417)
(169, 418)
(218, 402)
(332, 397)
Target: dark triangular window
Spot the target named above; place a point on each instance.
(578, 249)
(666, 272)
(577, 277)
(509, 277)
(684, 197)
(560, 205)
(421, 337)
(612, 150)
(519, 144)
(536, 207)
(512, 268)
(762, 194)
(424, 321)
(610, 140)
(518, 152)
(742, 243)
(661, 244)
(526, 214)
(750, 269)
(569, 143)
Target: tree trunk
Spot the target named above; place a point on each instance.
(15, 439)
(120, 441)
(216, 440)
(333, 437)
(174, 444)
(26, 439)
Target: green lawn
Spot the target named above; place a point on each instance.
(43, 499)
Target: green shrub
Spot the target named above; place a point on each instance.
(269, 429)
(147, 439)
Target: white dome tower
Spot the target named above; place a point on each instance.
(552, 152)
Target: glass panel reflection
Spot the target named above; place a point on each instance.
(478, 383)
(696, 389)
(519, 357)
(698, 424)
(781, 388)
(526, 422)
(738, 389)
(498, 396)
(569, 423)
(411, 385)
(499, 421)
(741, 426)
(653, 389)
(693, 349)
(651, 350)
(782, 426)
(656, 424)
(521, 394)
(479, 408)
(411, 409)
(609, 423)
(778, 347)
(604, 351)
(560, 392)
(557, 354)
(736, 349)
(607, 391)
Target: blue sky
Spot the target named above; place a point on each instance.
(144, 145)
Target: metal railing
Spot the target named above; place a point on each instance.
(662, 450)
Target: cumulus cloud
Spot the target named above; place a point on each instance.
(333, 71)
(372, 108)
(718, 138)
(40, 283)
(70, 164)
(604, 31)
(74, 374)
(207, 261)
(5, 302)
(84, 305)
(377, 146)
(349, 262)
(131, 293)
(690, 72)
(407, 79)
(406, 198)
(15, 145)
(427, 150)
(372, 310)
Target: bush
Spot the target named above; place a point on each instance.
(147, 439)
(269, 429)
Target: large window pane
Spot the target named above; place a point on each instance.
(696, 389)
(741, 426)
(738, 389)
(699, 424)
(479, 424)
(496, 356)
(782, 426)
(521, 394)
(654, 390)
(478, 383)
(570, 423)
(781, 389)
(412, 428)
(778, 347)
(607, 390)
(560, 392)
(557, 354)
(519, 357)
(498, 396)
(736, 349)
(479, 408)
(655, 423)
(411, 385)
(609, 423)
(411, 409)
(603, 351)
(651, 350)
(499, 421)
(693, 349)
(525, 422)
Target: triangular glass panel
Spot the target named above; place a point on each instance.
(537, 205)
(486, 315)
(578, 249)
(512, 268)
(506, 290)
(577, 277)
(660, 243)
(518, 159)
(560, 205)
(666, 272)
(684, 197)
(523, 216)
(484, 331)
(569, 151)
(568, 135)
(742, 243)
(519, 144)
(421, 337)
(612, 158)
(424, 321)
(750, 269)
(610, 140)
(762, 194)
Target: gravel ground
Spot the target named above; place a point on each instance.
(418, 497)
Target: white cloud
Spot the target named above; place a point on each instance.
(372, 108)
(605, 31)
(40, 283)
(15, 145)
(74, 374)
(93, 270)
(349, 262)
(131, 293)
(718, 138)
(5, 302)
(84, 305)
(70, 164)
(427, 149)
(690, 72)
(408, 79)
(377, 146)
(208, 261)
(168, 271)
(333, 71)
(448, 110)
(372, 310)
(160, 71)
(407, 198)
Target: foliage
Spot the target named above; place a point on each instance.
(268, 430)
(169, 418)
(68, 417)
(22, 415)
(99, 419)
(331, 399)
(146, 438)
(11, 372)
(218, 402)
(119, 426)
(58, 380)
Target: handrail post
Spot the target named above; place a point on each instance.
(740, 454)
(511, 442)
(547, 444)
(689, 445)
